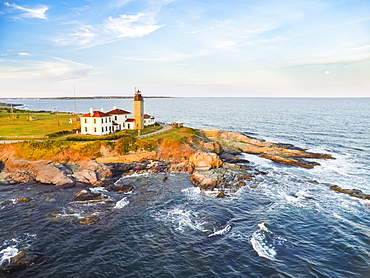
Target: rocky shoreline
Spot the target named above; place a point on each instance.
(212, 157)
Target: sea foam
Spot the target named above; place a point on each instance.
(221, 232)
(262, 243)
(121, 203)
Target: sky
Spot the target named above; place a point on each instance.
(179, 48)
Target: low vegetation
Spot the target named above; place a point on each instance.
(62, 151)
(176, 134)
(54, 137)
(32, 124)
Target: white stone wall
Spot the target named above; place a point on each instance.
(96, 125)
(150, 121)
(120, 119)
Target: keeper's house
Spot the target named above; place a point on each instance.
(100, 123)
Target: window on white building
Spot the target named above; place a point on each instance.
(94, 121)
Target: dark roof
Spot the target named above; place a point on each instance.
(114, 123)
(130, 120)
(146, 116)
(118, 112)
(138, 96)
(96, 114)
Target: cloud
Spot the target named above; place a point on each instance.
(168, 57)
(85, 35)
(131, 26)
(37, 12)
(56, 69)
(112, 29)
(328, 61)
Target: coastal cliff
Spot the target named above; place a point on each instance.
(210, 156)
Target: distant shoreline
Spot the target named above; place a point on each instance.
(94, 97)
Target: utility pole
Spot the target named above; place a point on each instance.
(11, 108)
(57, 116)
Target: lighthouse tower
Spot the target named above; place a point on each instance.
(139, 110)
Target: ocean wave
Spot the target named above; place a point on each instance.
(11, 248)
(262, 243)
(121, 203)
(98, 189)
(221, 232)
(8, 253)
(183, 220)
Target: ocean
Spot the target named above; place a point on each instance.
(287, 223)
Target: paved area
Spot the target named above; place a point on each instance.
(9, 141)
(165, 128)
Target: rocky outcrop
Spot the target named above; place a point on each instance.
(92, 173)
(20, 261)
(205, 161)
(86, 195)
(280, 153)
(220, 179)
(49, 172)
(352, 192)
(43, 171)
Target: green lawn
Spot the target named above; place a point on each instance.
(45, 124)
(175, 133)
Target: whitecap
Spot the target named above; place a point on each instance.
(193, 193)
(8, 253)
(263, 228)
(262, 246)
(335, 170)
(262, 242)
(98, 189)
(191, 190)
(126, 176)
(255, 159)
(183, 220)
(121, 203)
(221, 232)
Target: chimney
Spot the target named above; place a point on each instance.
(114, 107)
(91, 112)
(101, 109)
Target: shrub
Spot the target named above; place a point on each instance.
(35, 150)
(125, 145)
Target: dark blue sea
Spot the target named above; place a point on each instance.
(287, 223)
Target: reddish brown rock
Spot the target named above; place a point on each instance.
(86, 195)
(88, 220)
(205, 161)
(44, 171)
(352, 192)
(92, 172)
(280, 153)
(181, 167)
(24, 199)
(222, 195)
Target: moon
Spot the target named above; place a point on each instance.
(327, 72)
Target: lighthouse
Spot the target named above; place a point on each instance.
(139, 110)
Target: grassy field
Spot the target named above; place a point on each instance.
(176, 133)
(45, 124)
